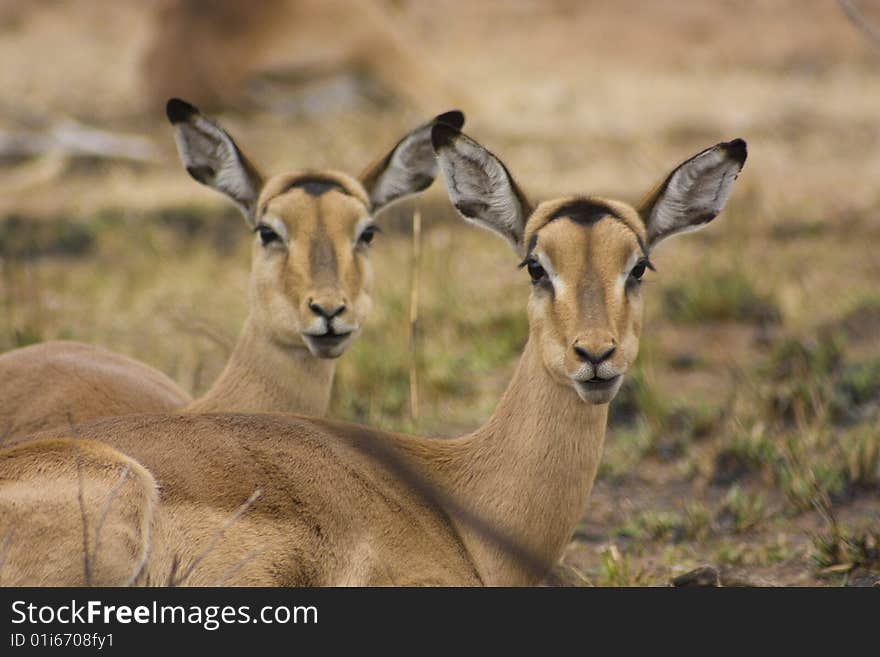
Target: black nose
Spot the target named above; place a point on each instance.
(592, 357)
(326, 313)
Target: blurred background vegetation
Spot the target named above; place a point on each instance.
(748, 436)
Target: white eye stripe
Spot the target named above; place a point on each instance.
(547, 265)
(633, 259)
(624, 275)
(361, 225)
(620, 284)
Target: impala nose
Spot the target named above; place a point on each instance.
(326, 310)
(594, 352)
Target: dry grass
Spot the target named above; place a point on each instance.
(758, 386)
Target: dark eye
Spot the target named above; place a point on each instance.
(536, 271)
(267, 235)
(639, 270)
(368, 234)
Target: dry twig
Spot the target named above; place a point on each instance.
(857, 18)
(215, 539)
(414, 317)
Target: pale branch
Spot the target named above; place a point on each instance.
(225, 577)
(215, 539)
(106, 510)
(414, 317)
(4, 548)
(857, 18)
(76, 140)
(81, 499)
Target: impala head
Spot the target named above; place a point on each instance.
(310, 278)
(585, 256)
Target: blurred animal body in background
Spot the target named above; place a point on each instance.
(226, 53)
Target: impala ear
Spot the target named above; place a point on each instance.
(694, 193)
(479, 185)
(212, 157)
(409, 167)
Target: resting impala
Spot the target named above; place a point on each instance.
(333, 503)
(309, 292)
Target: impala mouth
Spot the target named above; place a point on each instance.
(598, 390)
(598, 383)
(327, 345)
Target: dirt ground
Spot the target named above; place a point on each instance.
(748, 439)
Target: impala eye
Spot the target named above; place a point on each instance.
(536, 271)
(639, 270)
(368, 234)
(267, 235)
(635, 276)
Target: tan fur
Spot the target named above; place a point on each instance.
(271, 368)
(57, 383)
(346, 505)
(211, 51)
(68, 494)
(594, 311)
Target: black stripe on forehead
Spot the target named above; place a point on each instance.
(583, 211)
(315, 185)
(587, 212)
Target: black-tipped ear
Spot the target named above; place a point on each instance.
(178, 110)
(409, 167)
(455, 118)
(442, 135)
(694, 193)
(479, 185)
(737, 150)
(212, 158)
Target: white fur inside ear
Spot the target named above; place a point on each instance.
(695, 194)
(481, 190)
(211, 157)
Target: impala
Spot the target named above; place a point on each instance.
(286, 500)
(309, 292)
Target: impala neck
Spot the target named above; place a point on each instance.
(528, 471)
(263, 376)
